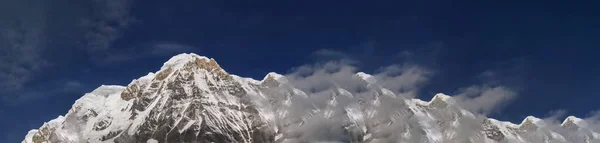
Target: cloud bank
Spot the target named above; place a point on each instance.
(334, 87)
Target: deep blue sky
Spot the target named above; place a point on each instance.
(546, 51)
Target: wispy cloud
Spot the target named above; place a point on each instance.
(105, 24)
(593, 120)
(30, 31)
(498, 86)
(319, 80)
(44, 90)
(555, 116)
(163, 49)
(332, 55)
(73, 86)
(484, 99)
(169, 49)
(22, 42)
(406, 80)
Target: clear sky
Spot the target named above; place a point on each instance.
(54, 51)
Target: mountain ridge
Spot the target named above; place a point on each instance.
(192, 99)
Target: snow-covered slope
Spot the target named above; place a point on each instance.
(191, 99)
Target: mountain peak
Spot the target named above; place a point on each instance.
(440, 97)
(273, 76)
(367, 77)
(572, 120)
(191, 60)
(441, 100)
(186, 62)
(531, 123)
(180, 60)
(273, 79)
(532, 119)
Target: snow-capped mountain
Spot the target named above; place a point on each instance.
(191, 99)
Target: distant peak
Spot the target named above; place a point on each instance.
(273, 76)
(572, 120)
(367, 77)
(531, 123)
(442, 97)
(441, 100)
(273, 79)
(532, 119)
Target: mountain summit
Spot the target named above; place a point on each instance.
(191, 99)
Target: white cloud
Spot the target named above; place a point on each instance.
(328, 55)
(555, 116)
(593, 120)
(44, 90)
(169, 49)
(484, 99)
(72, 86)
(105, 24)
(317, 78)
(401, 80)
(405, 80)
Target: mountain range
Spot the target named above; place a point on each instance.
(191, 99)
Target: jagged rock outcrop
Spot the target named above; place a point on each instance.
(191, 99)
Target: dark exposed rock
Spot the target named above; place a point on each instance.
(111, 135)
(102, 124)
(163, 74)
(88, 114)
(492, 131)
(130, 93)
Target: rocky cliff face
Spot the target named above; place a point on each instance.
(192, 100)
